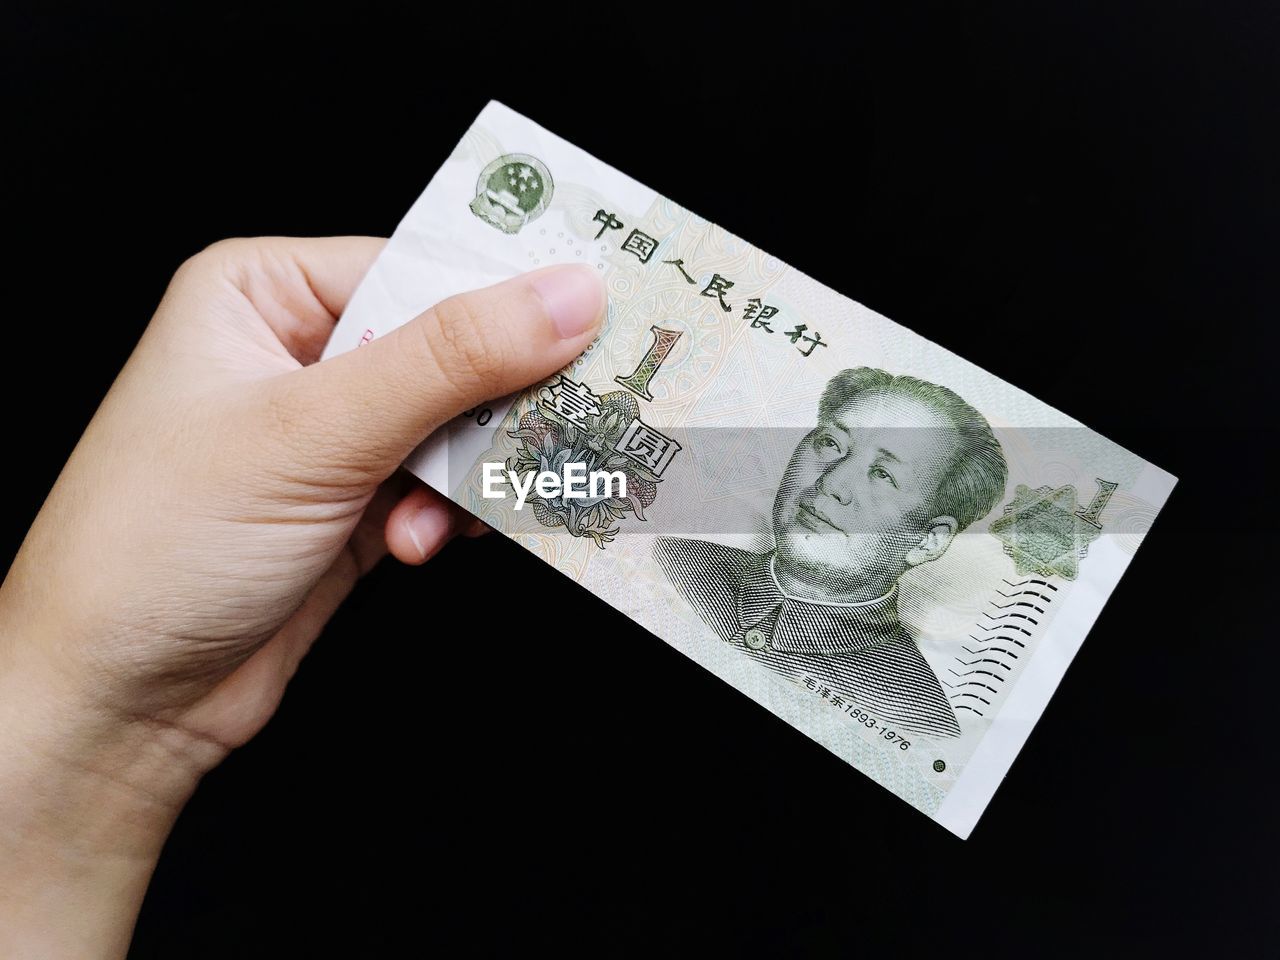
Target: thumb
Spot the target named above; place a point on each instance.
(367, 409)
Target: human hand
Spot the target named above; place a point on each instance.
(223, 501)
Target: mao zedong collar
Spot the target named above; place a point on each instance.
(858, 652)
(790, 624)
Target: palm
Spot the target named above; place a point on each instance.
(280, 322)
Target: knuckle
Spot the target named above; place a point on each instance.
(283, 418)
(295, 447)
(215, 258)
(467, 340)
(221, 251)
(282, 406)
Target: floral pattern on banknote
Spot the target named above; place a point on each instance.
(548, 441)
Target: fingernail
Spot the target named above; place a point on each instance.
(574, 297)
(428, 528)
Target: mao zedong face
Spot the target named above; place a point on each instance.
(895, 468)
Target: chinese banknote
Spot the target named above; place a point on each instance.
(893, 550)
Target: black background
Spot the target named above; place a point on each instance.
(1080, 197)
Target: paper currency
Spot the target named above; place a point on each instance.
(891, 549)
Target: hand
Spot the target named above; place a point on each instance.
(223, 501)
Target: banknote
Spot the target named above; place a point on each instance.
(888, 547)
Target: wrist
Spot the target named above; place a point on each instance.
(85, 782)
(87, 800)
